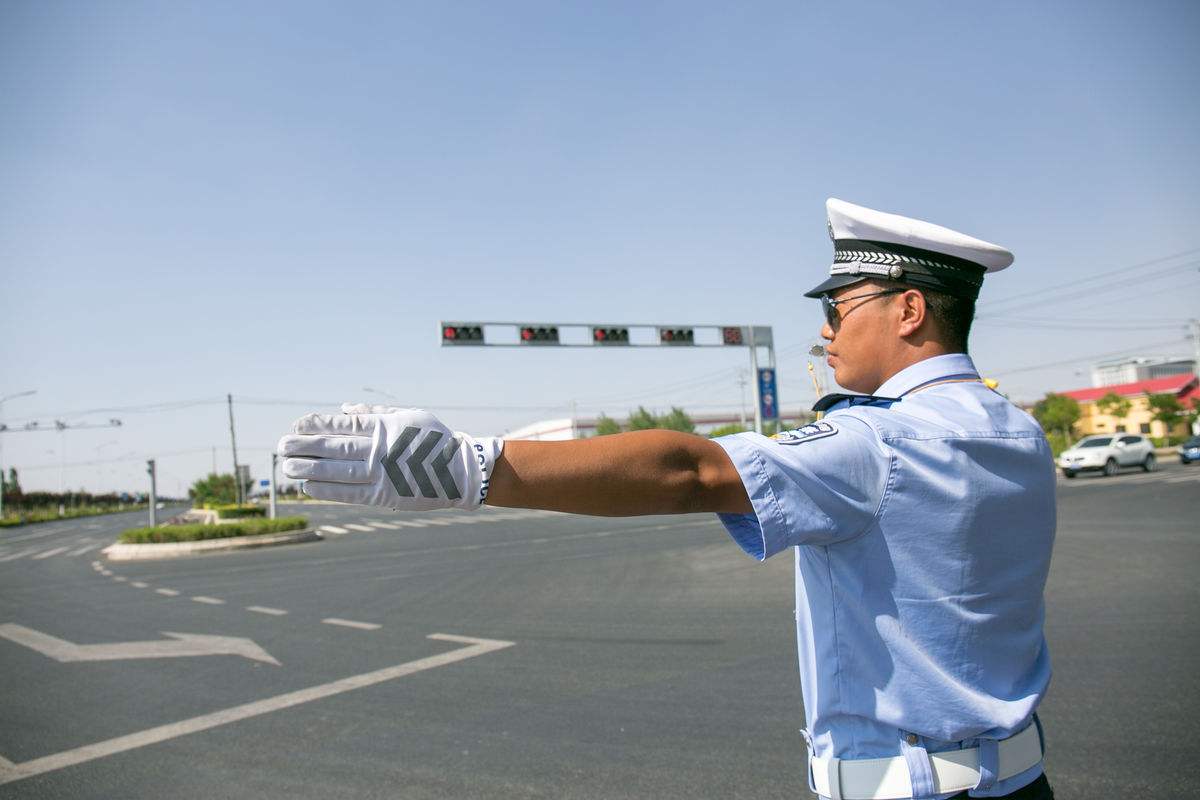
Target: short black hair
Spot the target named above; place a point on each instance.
(953, 315)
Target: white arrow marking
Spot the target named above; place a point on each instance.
(179, 645)
(474, 647)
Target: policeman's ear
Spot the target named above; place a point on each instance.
(912, 310)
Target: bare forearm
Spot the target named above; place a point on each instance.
(645, 472)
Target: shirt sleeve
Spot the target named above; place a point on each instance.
(817, 485)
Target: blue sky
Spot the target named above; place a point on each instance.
(281, 200)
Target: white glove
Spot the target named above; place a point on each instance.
(401, 458)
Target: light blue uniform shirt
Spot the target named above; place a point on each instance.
(922, 535)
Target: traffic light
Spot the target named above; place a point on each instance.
(731, 336)
(676, 336)
(539, 334)
(607, 336)
(456, 334)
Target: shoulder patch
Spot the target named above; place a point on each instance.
(808, 433)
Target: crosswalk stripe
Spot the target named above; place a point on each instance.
(85, 549)
(19, 554)
(435, 521)
(334, 529)
(385, 525)
(356, 527)
(408, 523)
(49, 553)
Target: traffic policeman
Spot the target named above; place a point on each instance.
(919, 510)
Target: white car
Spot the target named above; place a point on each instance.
(1107, 454)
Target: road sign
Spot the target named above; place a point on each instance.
(264, 482)
(768, 399)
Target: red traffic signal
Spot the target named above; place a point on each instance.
(731, 336)
(675, 336)
(539, 334)
(610, 335)
(455, 334)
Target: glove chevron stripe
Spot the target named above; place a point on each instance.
(439, 466)
(418, 469)
(391, 461)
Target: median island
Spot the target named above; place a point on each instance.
(194, 532)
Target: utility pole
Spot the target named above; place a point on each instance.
(742, 383)
(1195, 326)
(153, 492)
(237, 481)
(214, 454)
(274, 462)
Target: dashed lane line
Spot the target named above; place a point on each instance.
(167, 592)
(85, 549)
(49, 553)
(349, 623)
(139, 585)
(354, 526)
(212, 601)
(120, 578)
(274, 612)
(333, 529)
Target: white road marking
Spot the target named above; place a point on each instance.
(105, 573)
(168, 592)
(1181, 479)
(354, 526)
(212, 601)
(49, 553)
(435, 521)
(410, 523)
(162, 733)
(274, 612)
(385, 525)
(333, 529)
(19, 554)
(139, 585)
(177, 646)
(120, 578)
(349, 623)
(85, 549)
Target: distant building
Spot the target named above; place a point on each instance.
(1186, 387)
(1131, 370)
(551, 430)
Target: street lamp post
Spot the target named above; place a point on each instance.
(4, 399)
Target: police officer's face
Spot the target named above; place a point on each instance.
(860, 331)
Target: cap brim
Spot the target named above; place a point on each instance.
(834, 282)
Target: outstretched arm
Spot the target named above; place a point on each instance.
(644, 472)
(407, 459)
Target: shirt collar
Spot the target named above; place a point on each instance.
(953, 365)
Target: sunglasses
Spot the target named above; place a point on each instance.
(829, 305)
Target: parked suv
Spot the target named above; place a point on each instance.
(1108, 454)
(1189, 451)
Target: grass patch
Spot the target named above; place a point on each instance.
(50, 515)
(195, 533)
(234, 511)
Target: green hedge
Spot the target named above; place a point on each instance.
(234, 511)
(192, 533)
(51, 515)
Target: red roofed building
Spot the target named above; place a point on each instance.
(1185, 387)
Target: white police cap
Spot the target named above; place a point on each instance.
(873, 244)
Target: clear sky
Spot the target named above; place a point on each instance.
(281, 200)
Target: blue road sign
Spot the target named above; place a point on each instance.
(768, 398)
(264, 482)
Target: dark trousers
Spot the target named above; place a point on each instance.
(1038, 790)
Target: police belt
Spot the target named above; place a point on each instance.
(953, 770)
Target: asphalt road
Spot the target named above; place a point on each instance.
(640, 657)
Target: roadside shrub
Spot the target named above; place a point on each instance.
(194, 533)
(235, 511)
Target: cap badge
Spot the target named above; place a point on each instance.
(896, 272)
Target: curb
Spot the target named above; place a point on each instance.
(139, 552)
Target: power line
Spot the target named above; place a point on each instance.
(1047, 296)
(1118, 270)
(1077, 359)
